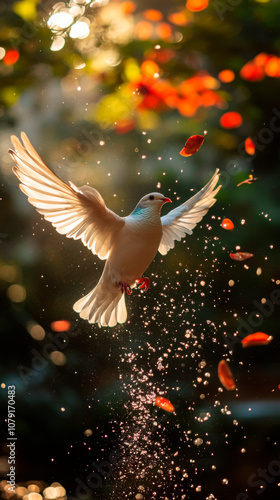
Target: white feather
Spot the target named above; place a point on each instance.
(79, 213)
(183, 219)
(102, 306)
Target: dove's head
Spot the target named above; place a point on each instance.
(151, 203)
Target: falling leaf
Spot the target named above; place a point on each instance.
(225, 375)
(249, 146)
(248, 181)
(164, 404)
(258, 338)
(60, 325)
(241, 256)
(231, 120)
(193, 144)
(227, 224)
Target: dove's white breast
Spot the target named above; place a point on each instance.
(134, 248)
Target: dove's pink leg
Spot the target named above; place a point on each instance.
(144, 283)
(125, 287)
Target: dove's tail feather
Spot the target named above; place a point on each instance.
(102, 306)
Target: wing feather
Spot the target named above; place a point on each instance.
(79, 213)
(183, 219)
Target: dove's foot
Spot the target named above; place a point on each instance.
(125, 287)
(143, 283)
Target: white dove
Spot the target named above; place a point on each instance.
(128, 243)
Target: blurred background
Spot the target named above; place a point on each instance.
(108, 92)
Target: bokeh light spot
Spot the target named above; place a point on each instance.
(58, 358)
(232, 119)
(16, 293)
(11, 57)
(79, 30)
(144, 30)
(226, 76)
(60, 20)
(197, 5)
(36, 331)
(153, 15)
(61, 325)
(249, 146)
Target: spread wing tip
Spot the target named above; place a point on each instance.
(183, 219)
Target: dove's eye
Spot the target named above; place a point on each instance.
(152, 197)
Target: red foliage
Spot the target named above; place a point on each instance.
(192, 145)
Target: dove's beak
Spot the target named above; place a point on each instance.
(166, 200)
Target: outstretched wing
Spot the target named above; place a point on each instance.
(79, 213)
(181, 221)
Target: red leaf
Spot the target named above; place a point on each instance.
(193, 144)
(249, 146)
(258, 338)
(241, 256)
(227, 224)
(164, 404)
(225, 376)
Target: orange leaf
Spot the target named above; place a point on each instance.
(227, 224)
(164, 404)
(192, 145)
(258, 338)
(249, 146)
(225, 376)
(241, 256)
